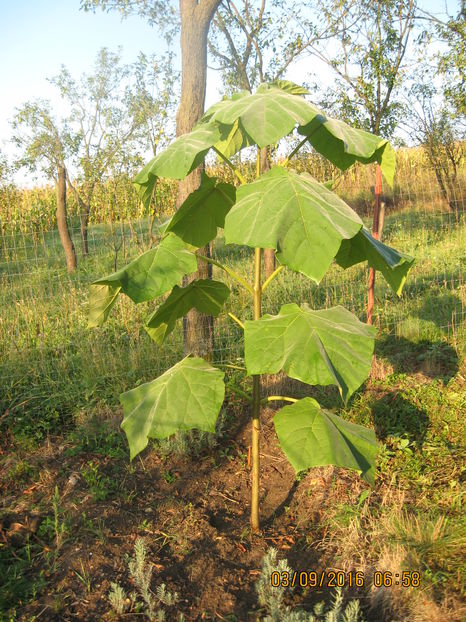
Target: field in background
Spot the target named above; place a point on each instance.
(58, 378)
(44, 341)
(31, 212)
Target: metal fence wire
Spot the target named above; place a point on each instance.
(51, 362)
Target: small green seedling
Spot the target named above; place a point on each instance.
(308, 226)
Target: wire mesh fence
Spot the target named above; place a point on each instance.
(51, 363)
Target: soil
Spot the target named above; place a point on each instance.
(193, 513)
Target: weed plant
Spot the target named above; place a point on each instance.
(272, 598)
(143, 601)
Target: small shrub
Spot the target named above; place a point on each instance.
(272, 598)
(140, 571)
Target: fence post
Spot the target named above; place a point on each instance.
(375, 233)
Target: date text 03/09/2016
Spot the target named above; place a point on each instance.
(338, 578)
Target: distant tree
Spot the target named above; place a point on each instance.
(436, 113)
(193, 18)
(152, 100)
(450, 59)
(45, 146)
(434, 124)
(5, 169)
(444, 151)
(254, 42)
(103, 125)
(6, 187)
(367, 57)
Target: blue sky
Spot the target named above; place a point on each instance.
(38, 36)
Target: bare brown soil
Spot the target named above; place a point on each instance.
(193, 515)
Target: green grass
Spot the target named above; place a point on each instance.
(58, 376)
(55, 370)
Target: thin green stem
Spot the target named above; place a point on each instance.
(258, 163)
(230, 366)
(282, 398)
(298, 147)
(235, 319)
(271, 278)
(229, 271)
(231, 165)
(295, 150)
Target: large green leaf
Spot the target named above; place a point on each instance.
(343, 145)
(317, 347)
(294, 214)
(153, 273)
(236, 139)
(205, 295)
(204, 210)
(178, 159)
(275, 109)
(290, 87)
(188, 395)
(311, 436)
(390, 262)
(101, 300)
(266, 116)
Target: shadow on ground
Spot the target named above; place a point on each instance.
(434, 359)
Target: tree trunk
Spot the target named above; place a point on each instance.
(62, 224)
(195, 22)
(269, 253)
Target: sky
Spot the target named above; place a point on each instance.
(38, 36)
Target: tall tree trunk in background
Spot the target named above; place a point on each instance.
(84, 212)
(62, 223)
(195, 22)
(269, 253)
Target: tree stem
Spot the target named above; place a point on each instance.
(256, 405)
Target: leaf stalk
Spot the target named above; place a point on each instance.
(235, 319)
(275, 273)
(282, 398)
(295, 150)
(231, 165)
(229, 271)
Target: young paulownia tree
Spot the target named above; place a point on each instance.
(308, 226)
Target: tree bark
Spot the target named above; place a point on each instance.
(62, 223)
(195, 23)
(269, 253)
